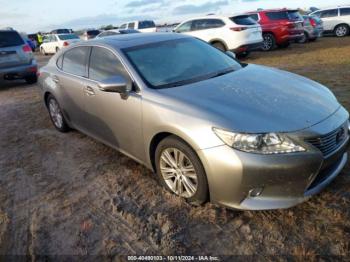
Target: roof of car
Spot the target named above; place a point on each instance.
(130, 40)
(272, 10)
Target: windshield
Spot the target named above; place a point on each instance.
(67, 37)
(179, 62)
(146, 24)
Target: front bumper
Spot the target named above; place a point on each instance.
(282, 180)
(19, 72)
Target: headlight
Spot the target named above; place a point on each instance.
(270, 143)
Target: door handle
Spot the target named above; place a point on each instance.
(89, 91)
(55, 79)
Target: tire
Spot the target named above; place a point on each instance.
(192, 186)
(269, 42)
(305, 39)
(312, 39)
(57, 49)
(42, 51)
(284, 45)
(341, 30)
(31, 79)
(56, 115)
(219, 46)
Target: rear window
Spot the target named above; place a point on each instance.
(10, 38)
(243, 20)
(93, 32)
(146, 24)
(277, 15)
(67, 37)
(294, 15)
(254, 16)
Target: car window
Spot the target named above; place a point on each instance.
(329, 13)
(123, 26)
(254, 16)
(74, 60)
(294, 15)
(10, 38)
(179, 62)
(243, 20)
(206, 24)
(53, 38)
(317, 13)
(104, 65)
(344, 11)
(146, 24)
(93, 32)
(282, 15)
(68, 37)
(186, 27)
(131, 25)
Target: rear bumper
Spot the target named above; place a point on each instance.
(19, 72)
(248, 48)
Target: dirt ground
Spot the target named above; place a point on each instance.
(66, 194)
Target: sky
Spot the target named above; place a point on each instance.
(44, 15)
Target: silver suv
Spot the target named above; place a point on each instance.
(16, 58)
(335, 20)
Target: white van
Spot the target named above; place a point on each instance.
(144, 26)
(335, 20)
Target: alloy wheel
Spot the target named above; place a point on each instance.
(55, 113)
(178, 172)
(267, 43)
(341, 30)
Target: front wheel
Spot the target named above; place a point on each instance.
(180, 170)
(341, 30)
(269, 42)
(304, 39)
(43, 52)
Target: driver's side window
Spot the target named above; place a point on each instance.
(186, 27)
(104, 65)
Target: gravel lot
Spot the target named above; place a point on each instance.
(66, 194)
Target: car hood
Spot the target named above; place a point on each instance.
(257, 99)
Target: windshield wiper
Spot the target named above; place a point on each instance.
(221, 73)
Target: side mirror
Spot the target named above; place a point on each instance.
(116, 84)
(231, 54)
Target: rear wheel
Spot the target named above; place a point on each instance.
(180, 170)
(42, 50)
(341, 30)
(56, 115)
(57, 49)
(31, 79)
(269, 42)
(304, 39)
(219, 46)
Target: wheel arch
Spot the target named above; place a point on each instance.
(340, 24)
(218, 40)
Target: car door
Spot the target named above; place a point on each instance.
(70, 80)
(114, 119)
(330, 19)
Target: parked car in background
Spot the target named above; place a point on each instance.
(16, 58)
(90, 34)
(239, 33)
(116, 32)
(54, 42)
(279, 26)
(62, 31)
(144, 26)
(335, 20)
(313, 28)
(211, 128)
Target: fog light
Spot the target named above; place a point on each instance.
(255, 192)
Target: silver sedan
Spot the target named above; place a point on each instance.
(240, 135)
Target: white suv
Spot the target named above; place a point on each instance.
(335, 20)
(240, 33)
(145, 26)
(54, 42)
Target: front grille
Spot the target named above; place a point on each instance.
(330, 142)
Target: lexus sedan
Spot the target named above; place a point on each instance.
(240, 135)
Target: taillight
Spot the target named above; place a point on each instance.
(313, 22)
(27, 49)
(238, 29)
(65, 44)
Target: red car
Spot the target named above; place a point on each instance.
(279, 26)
